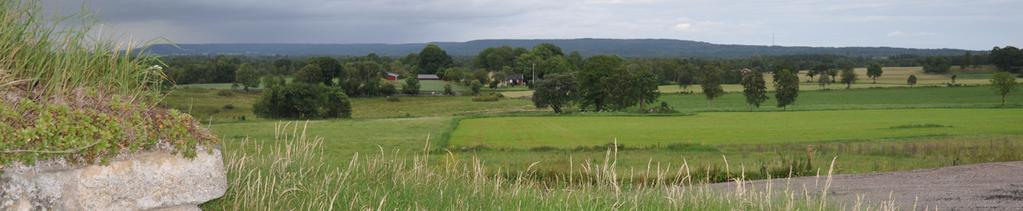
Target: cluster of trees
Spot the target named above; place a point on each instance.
(1009, 59)
(604, 83)
(302, 100)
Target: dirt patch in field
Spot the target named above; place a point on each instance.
(990, 186)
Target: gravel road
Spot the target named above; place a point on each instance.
(989, 186)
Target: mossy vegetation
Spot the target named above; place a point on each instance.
(68, 96)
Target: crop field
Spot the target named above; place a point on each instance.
(716, 128)
(877, 98)
(892, 77)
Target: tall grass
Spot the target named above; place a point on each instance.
(290, 173)
(55, 55)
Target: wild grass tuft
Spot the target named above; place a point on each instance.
(290, 173)
(55, 55)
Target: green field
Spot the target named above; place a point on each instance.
(867, 130)
(734, 127)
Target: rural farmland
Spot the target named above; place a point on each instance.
(511, 105)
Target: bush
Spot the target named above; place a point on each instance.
(486, 98)
(301, 100)
(228, 106)
(411, 86)
(393, 99)
(225, 93)
(475, 86)
(388, 89)
(448, 91)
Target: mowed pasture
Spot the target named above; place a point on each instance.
(716, 128)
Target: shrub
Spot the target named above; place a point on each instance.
(225, 93)
(475, 86)
(393, 99)
(388, 89)
(486, 98)
(411, 86)
(448, 91)
(228, 106)
(301, 100)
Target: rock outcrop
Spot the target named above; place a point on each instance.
(141, 181)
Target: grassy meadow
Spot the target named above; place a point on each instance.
(717, 128)
(516, 147)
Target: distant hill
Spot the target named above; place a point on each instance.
(621, 47)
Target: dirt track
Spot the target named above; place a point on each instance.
(991, 186)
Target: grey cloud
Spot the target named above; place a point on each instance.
(957, 24)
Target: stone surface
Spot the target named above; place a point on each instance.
(141, 181)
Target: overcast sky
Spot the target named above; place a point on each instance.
(978, 25)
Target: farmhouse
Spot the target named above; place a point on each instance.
(427, 77)
(391, 76)
(513, 79)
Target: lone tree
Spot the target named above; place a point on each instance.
(247, 76)
(711, 84)
(823, 81)
(848, 77)
(1003, 83)
(555, 91)
(754, 88)
(833, 73)
(911, 80)
(786, 85)
(874, 71)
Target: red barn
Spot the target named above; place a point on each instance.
(392, 76)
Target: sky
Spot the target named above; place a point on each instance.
(964, 24)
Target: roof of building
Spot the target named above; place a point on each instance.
(514, 77)
(428, 77)
(392, 74)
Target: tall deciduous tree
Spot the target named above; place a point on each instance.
(330, 69)
(282, 67)
(911, 80)
(834, 74)
(754, 88)
(711, 83)
(686, 75)
(555, 91)
(848, 77)
(364, 78)
(1003, 83)
(592, 86)
(874, 71)
(630, 85)
(310, 74)
(247, 76)
(823, 81)
(433, 59)
(786, 85)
